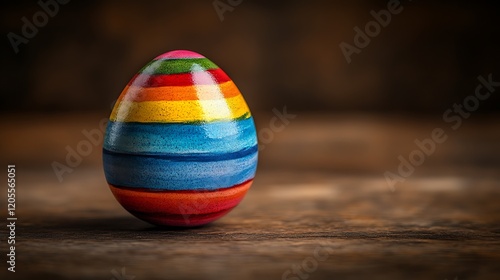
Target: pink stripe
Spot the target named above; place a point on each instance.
(179, 54)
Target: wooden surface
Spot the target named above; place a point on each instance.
(319, 186)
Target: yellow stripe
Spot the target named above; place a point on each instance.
(180, 111)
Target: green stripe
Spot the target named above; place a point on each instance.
(176, 66)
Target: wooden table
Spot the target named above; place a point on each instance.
(320, 208)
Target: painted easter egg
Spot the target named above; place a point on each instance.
(180, 146)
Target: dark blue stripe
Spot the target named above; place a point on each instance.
(192, 156)
(166, 174)
(174, 138)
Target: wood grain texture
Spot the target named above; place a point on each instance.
(438, 224)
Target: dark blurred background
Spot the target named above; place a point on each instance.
(278, 53)
(322, 176)
(355, 117)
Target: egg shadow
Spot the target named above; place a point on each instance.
(106, 228)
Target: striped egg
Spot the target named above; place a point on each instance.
(180, 146)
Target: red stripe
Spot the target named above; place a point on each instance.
(180, 208)
(208, 77)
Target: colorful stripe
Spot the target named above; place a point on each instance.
(180, 133)
(179, 54)
(175, 93)
(209, 77)
(156, 173)
(154, 138)
(184, 111)
(179, 208)
(176, 66)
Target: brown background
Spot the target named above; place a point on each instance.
(279, 53)
(320, 180)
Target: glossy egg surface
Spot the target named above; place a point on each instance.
(180, 146)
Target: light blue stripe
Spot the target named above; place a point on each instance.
(214, 137)
(163, 174)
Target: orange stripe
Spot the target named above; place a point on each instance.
(179, 202)
(173, 93)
